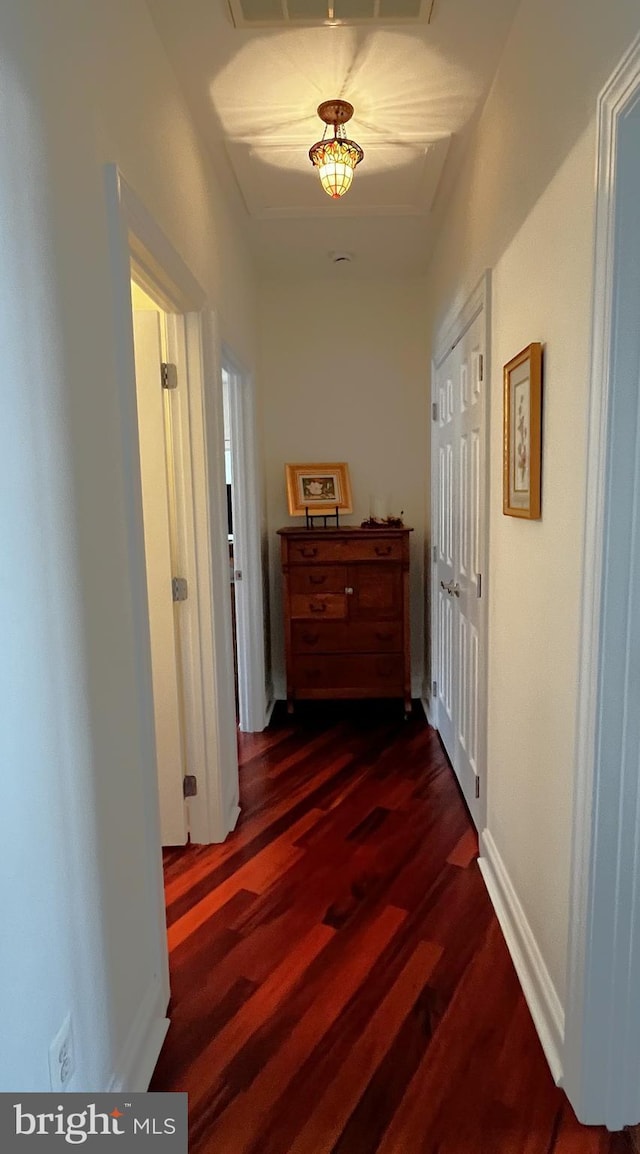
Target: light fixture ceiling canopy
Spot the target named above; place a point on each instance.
(336, 158)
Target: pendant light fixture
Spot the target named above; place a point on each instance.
(336, 158)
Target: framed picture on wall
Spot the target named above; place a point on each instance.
(320, 488)
(522, 452)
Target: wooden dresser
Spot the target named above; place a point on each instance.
(346, 613)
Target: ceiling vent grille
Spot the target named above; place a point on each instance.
(297, 13)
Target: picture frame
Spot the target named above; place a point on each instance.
(319, 488)
(522, 452)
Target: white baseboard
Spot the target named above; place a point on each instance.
(142, 1048)
(539, 990)
(232, 819)
(426, 705)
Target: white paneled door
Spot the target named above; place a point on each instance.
(458, 634)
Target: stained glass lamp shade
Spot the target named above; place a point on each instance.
(336, 159)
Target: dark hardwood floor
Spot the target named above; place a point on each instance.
(340, 984)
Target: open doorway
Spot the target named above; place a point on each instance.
(186, 334)
(228, 476)
(245, 560)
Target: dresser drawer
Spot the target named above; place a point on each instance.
(345, 550)
(376, 550)
(356, 637)
(374, 673)
(318, 606)
(318, 579)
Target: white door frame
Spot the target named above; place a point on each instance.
(448, 336)
(210, 718)
(602, 1037)
(247, 548)
(164, 559)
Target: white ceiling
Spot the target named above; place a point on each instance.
(415, 87)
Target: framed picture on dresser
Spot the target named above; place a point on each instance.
(318, 488)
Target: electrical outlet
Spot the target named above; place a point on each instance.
(62, 1062)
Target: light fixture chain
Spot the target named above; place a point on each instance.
(335, 159)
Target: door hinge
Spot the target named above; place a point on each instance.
(477, 786)
(434, 686)
(435, 553)
(434, 411)
(481, 367)
(237, 575)
(479, 584)
(168, 375)
(179, 588)
(190, 785)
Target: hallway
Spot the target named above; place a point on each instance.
(339, 980)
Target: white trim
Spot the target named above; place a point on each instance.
(537, 985)
(249, 592)
(426, 706)
(430, 702)
(198, 624)
(457, 322)
(212, 549)
(161, 266)
(602, 1052)
(450, 333)
(141, 1051)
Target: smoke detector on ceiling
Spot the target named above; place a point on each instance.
(296, 13)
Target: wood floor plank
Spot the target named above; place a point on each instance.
(255, 876)
(340, 984)
(223, 1046)
(249, 1112)
(443, 1094)
(465, 851)
(334, 1107)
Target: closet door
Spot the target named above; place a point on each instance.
(459, 432)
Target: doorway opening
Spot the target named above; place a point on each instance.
(176, 329)
(228, 476)
(246, 569)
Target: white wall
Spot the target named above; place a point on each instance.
(344, 377)
(525, 207)
(83, 83)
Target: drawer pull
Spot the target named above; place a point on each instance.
(308, 552)
(348, 590)
(316, 579)
(311, 638)
(317, 608)
(382, 636)
(382, 550)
